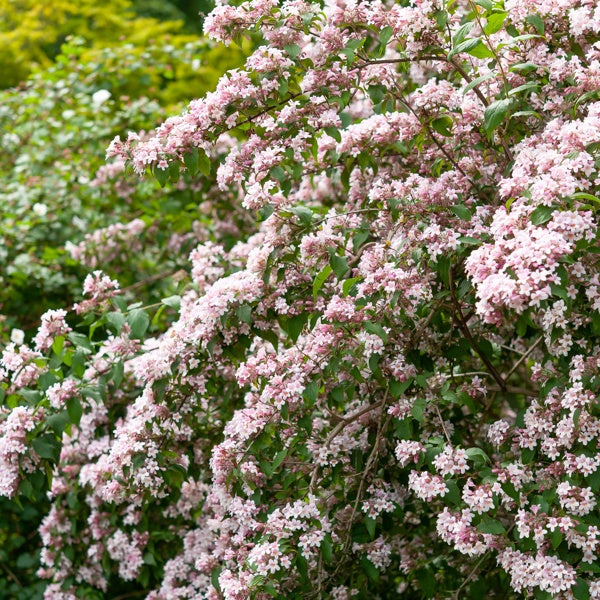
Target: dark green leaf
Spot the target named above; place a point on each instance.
(370, 524)
(541, 215)
(443, 125)
(190, 160)
(74, 410)
(489, 525)
(293, 50)
(581, 590)
(47, 446)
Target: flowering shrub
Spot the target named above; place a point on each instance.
(380, 377)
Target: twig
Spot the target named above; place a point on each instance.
(469, 576)
(442, 424)
(523, 357)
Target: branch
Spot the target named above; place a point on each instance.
(465, 329)
(336, 431)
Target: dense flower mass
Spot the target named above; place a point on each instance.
(379, 376)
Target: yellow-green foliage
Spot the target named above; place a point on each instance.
(31, 32)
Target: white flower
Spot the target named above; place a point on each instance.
(100, 97)
(17, 336)
(40, 209)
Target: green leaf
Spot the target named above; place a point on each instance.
(385, 35)
(138, 320)
(244, 313)
(495, 113)
(203, 163)
(376, 93)
(74, 410)
(58, 422)
(441, 18)
(495, 22)
(334, 132)
(530, 85)
(115, 320)
(443, 125)
(461, 211)
(537, 22)
(190, 159)
(593, 480)
(117, 372)
(172, 301)
(303, 213)
(311, 391)
(31, 396)
(174, 171)
(214, 578)
(293, 326)
(58, 344)
(279, 457)
(541, 215)
(474, 453)
(462, 32)
(475, 82)
(376, 329)
(528, 66)
(581, 590)
(278, 173)
(339, 265)
(469, 241)
(520, 38)
(584, 196)
(370, 524)
(464, 46)
(161, 175)
(326, 548)
(418, 408)
(397, 388)
(489, 525)
(80, 341)
(320, 279)
(370, 569)
(349, 285)
(47, 446)
(556, 538)
(481, 51)
(293, 50)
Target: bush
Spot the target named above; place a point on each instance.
(380, 377)
(57, 189)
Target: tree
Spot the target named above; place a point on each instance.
(387, 387)
(32, 33)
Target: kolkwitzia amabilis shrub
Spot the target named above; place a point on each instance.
(387, 387)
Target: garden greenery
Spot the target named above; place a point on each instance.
(378, 375)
